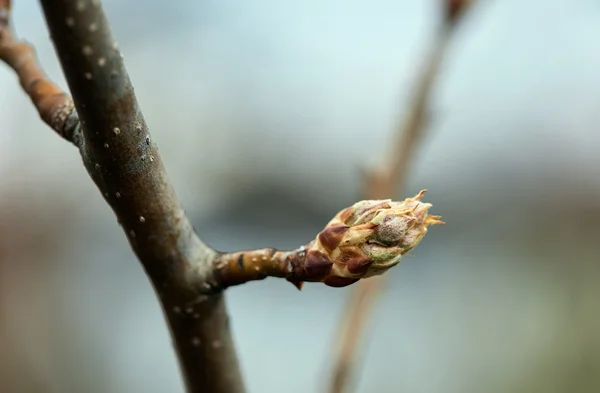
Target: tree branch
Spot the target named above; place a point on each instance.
(123, 161)
(54, 106)
(106, 124)
(385, 182)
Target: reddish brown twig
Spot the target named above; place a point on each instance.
(54, 106)
(385, 182)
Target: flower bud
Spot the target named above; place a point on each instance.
(366, 239)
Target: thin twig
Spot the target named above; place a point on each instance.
(386, 181)
(389, 178)
(54, 106)
(361, 299)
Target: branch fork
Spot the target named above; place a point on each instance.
(103, 120)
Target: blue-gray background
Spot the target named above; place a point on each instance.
(265, 112)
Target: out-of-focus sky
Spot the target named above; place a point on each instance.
(265, 113)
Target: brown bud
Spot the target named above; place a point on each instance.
(367, 239)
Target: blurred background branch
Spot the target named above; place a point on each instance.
(388, 181)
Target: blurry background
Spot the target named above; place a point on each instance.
(265, 112)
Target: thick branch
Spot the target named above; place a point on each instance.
(123, 161)
(118, 150)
